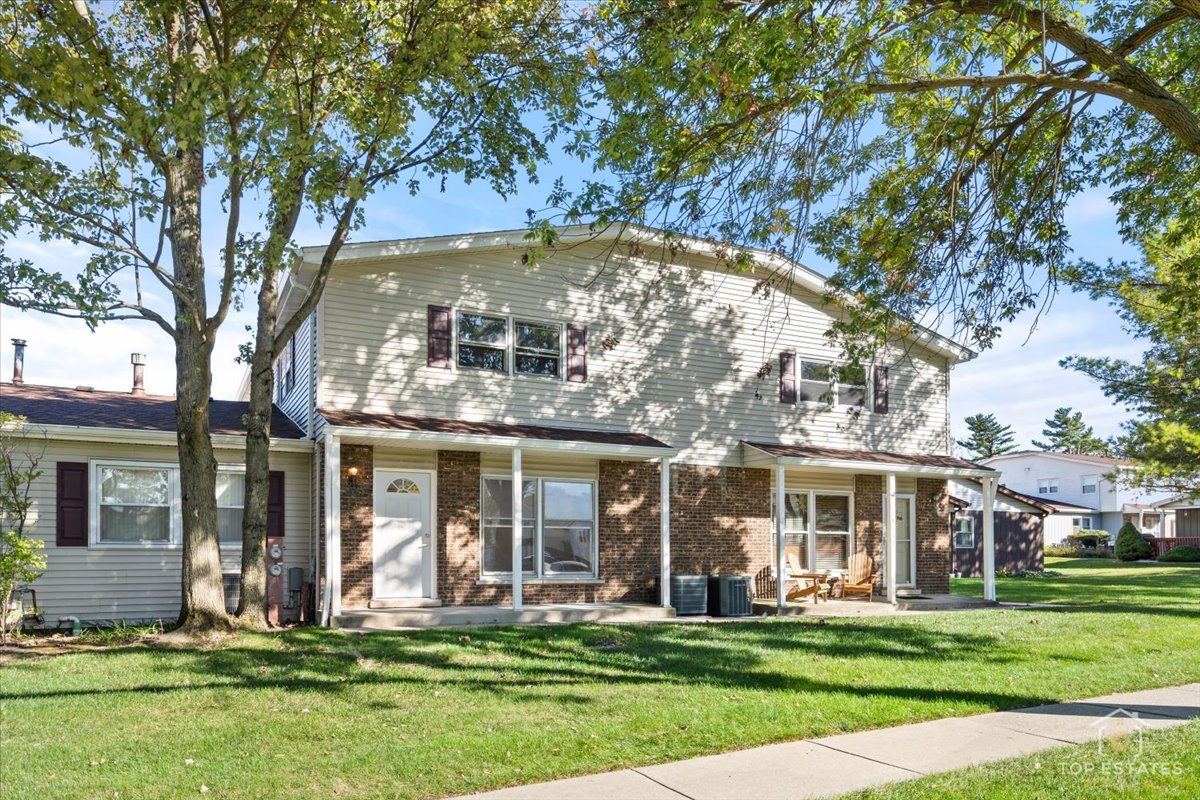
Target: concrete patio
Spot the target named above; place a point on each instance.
(850, 762)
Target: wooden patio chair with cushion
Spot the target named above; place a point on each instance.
(860, 578)
(807, 584)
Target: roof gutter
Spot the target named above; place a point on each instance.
(432, 439)
(875, 466)
(78, 433)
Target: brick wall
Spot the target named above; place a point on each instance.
(721, 521)
(868, 521)
(358, 519)
(933, 536)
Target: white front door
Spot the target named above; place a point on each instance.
(906, 541)
(402, 541)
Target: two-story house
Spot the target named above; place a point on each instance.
(1086, 492)
(635, 407)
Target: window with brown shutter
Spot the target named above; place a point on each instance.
(72, 501)
(881, 390)
(440, 337)
(787, 377)
(275, 504)
(576, 353)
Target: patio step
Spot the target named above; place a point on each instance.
(455, 616)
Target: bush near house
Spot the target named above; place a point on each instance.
(1183, 554)
(1076, 551)
(1130, 544)
(1090, 539)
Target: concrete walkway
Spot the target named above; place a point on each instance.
(848, 762)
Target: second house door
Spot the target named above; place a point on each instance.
(401, 539)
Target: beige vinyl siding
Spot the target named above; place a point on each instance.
(540, 466)
(97, 584)
(295, 404)
(394, 458)
(673, 351)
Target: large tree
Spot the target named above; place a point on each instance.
(987, 437)
(1159, 300)
(928, 148)
(1066, 432)
(121, 119)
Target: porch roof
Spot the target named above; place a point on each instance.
(436, 432)
(874, 461)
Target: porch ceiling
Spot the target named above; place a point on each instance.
(870, 461)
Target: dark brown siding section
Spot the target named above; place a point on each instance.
(1018, 544)
(1187, 522)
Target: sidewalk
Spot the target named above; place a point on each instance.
(852, 761)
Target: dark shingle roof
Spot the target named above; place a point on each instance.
(54, 405)
(399, 422)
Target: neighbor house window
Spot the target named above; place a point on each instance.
(1082, 523)
(537, 348)
(135, 504)
(795, 527)
(964, 532)
(482, 342)
(1089, 483)
(558, 522)
(816, 529)
(1048, 486)
(231, 497)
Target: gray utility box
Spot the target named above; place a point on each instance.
(689, 594)
(729, 596)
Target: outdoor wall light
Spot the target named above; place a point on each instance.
(352, 483)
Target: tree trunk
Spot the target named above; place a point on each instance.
(252, 603)
(203, 603)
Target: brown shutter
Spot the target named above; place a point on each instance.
(439, 337)
(576, 353)
(275, 504)
(787, 377)
(72, 498)
(881, 390)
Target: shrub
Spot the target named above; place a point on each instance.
(1183, 554)
(1090, 539)
(1087, 552)
(1130, 544)
(1061, 550)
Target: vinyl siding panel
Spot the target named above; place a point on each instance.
(674, 351)
(95, 583)
(296, 402)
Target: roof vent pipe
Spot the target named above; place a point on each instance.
(18, 361)
(139, 372)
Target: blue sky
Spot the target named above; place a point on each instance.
(1019, 380)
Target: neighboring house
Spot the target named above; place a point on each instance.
(1182, 514)
(435, 371)
(1019, 522)
(1083, 488)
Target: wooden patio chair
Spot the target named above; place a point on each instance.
(860, 578)
(807, 584)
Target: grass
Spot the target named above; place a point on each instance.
(1167, 766)
(428, 714)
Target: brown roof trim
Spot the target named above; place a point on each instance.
(56, 405)
(401, 422)
(874, 456)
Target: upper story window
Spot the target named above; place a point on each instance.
(538, 348)
(482, 342)
(285, 369)
(852, 385)
(1047, 485)
(825, 382)
(504, 344)
(1088, 484)
(816, 381)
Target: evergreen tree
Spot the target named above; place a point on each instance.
(1066, 432)
(988, 437)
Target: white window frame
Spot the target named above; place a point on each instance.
(240, 469)
(1082, 523)
(1095, 484)
(175, 539)
(960, 518)
(510, 343)
(539, 512)
(1047, 485)
(811, 533)
(835, 385)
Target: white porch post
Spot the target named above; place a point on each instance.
(518, 528)
(780, 560)
(664, 532)
(989, 538)
(889, 514)
(333, 524)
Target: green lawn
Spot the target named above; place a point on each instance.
(1166, 766)
(413, 715)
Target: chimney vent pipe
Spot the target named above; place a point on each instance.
(139, 372)
(18, 361)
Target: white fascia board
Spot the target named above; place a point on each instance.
(471, 441)
(877, 467)
(220, 441)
